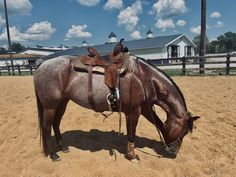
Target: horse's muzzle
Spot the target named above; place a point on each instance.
(172, 151)
(173, 148)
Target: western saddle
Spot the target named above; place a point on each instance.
(112, 66)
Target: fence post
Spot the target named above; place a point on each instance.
(227, 64)
(184, 66)
(18, 66)
(31, 71)
(201, 64)
(9, 72)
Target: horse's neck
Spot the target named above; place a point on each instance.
(168, 95)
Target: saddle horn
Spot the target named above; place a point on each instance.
(121, 40)
(118, 48)
(92, 52)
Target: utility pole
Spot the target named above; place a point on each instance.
(8, 36)
(202, 38)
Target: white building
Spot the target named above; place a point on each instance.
(29, 55)
(42, 51)
(160, 47)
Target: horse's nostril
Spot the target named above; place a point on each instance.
(172, 149)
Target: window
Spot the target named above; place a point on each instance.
(188, 51)
(173, 51)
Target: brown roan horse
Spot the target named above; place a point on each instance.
(142, 87)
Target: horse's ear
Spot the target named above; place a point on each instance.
(194, 118)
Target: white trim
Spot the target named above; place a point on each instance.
(180, 37)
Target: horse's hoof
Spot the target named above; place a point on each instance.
(135, 158)
(65, 149)
(55, 157)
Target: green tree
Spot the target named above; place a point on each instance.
(17, 47)
(227, 42)
(213, 47)
(196, 41)
(3, 50)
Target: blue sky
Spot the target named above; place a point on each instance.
(69, 22)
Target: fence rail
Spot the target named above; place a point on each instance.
(17, 70)
(213, 65)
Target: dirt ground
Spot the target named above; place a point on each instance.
(97, 151)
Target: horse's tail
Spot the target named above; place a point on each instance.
(40, 120)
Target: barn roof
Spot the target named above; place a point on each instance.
(155, 42)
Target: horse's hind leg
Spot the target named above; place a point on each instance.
(56, 125)
(49, 116)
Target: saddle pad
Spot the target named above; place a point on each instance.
(79, 66)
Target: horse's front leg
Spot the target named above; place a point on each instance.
(131, 124)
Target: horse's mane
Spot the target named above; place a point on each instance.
(162, 72)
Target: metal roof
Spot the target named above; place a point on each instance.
(41, 49)
(155, 42)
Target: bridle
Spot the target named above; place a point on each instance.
(170, 147)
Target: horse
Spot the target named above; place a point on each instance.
(56, 83)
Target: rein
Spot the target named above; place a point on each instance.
(149, 107)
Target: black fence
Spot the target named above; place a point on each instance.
(17, 70)
(213, 65)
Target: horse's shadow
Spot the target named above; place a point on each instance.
(96, 140)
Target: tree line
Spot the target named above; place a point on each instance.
(223, 44)
(16, 47)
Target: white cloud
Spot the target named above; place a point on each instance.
(129, 16)
(78, 32)
(38, 31)
(219, 24)
(43, 27)
(164, 24)
(215, 15)
(151, 12)
(145, 2)
(195, 29)
(135, 35)
(16, 35)
(17, 7)
(2, 21)
(88, 3)
(181, 23)
(169, 8)
(113, 4)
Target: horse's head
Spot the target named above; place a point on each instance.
(174, 130)
(160, 89)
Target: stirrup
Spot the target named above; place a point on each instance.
(112, 102)
(117, 94)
